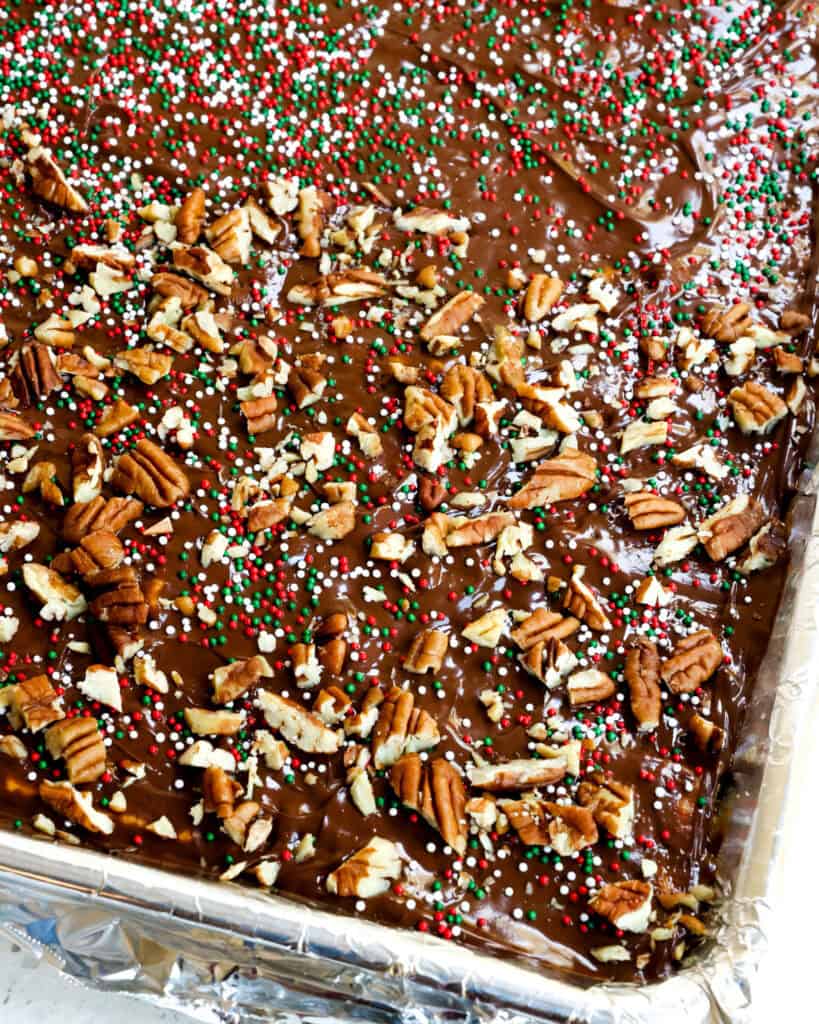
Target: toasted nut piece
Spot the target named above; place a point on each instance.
(263, 515)
(626, 904)
(480, 530)
(116, 416)
(541, 295)
(729, 528)
(231, 681)
(16, 535)
(98, 514)
(62, 602)
(314, 207)
(14, 428)
(332, 705)
(654, 348)
(581, 602)
(362, 723)
(707, 735)
(190, 217)
(49, 182)
(87, 468)
(231, 237)
(261, 223)
(42, 477)
(436, 791)
(528, 817)
(281, 195)
(203, 722)
(643, 677)
(566, 476)
(146, 673)
(34, 377)
(543, 625)
(678, 542)
(549, 660)
(423, 407)
(334, 522)
(101, 684)
(391, 547)
(571, 828)
(298, 726)
(429, 221)
(120, 600)
(203, 328)
(787, 362)
(173, 286)
(487, 630)
(796, 394)
(401, 729)
(32, 703)
(368, 872)
(431, 492)
(56, 332)
(589, 687)
(649, 511)
(76, 806)
(151, 474)
(306, 385)
(144, 363)
(452, 315)
(340, 287)
(79, 743)
(728, 325)
(367, 435)
(464, 387)
(756, 409)
(611, 803)
(793, 321)
(696, 658)
(426, 651)
(219, 791)
(306, 668)
(260, 414)
(766, 547)
(518, 774)
(13, 747)
(639, 434)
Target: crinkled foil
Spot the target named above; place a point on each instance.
(224, 953)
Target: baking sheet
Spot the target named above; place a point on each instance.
(224, 952)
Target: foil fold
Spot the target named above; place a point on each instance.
(225, 953)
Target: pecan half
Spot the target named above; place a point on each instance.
(34, 377)
(98, 514)
(79, 743)
(151, 474)
(541, 295)
(581, 601)
(426, 651)
(728, 324)
(76, 806)
(611, 803)
(566, 476)
(300, 727)
(173, 286)
(231, 681)
(649, 511)
(642, 674)
(729, 528)
(98, 550)
(340, 287)
(49, 182)
(696, 658)
(231, 237)
(626, 904)
(520, 773)
(33, 703)
(368, 872)
(436, 791)
(542, 626)
(190, 217)
(119, 599)
(464, 387)
(756, 409)
(452, 315)
(401, 729)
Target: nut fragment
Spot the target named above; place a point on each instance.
(300, 727)
(589, 687)
(151, 474)
(401, 729)
(231, 681)
(87, 468)
(696, 658)
(76, 806)
(33, 703)
(426, 652)
(571, 828)
(368, 872)
(79, 743)
(729, 324)
(436, 791)
(49, 182)
(542, 293)
(314, 205)
(452, 315)
(98, 514)
(542, 626)
(642, 674)
(566, 476)
(611, 803)
(231, 237)
(354, 285)
(650, 511)
(756, 409)
(729, 528)
(62, 602)
(14, 428)
(190, 217)
(520, 773)
(582, 603)
(766, 547)
(626, 904)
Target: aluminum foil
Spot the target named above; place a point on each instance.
(226, 953)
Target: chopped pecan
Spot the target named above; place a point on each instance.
(260, 414)
(204, 265)
(34, 377)
(626, 904)
(639, 434)
(401, 729)
(729, 324)
(528, 817)
(61, 600)
(436, 791)
(480, 530)
(32, 703)
(190, 217)
(120, 600)
(56, 331)
(100, 549)
(79, 743)
(678, 542)
(426, 651)
(429, 221)
(571, 829)
(144, 363)
(261, 223)
(542, 626)
(76, 806)
(611, 803)
(590, 686)
(340, 287)
(549, 660)
(581, 602)
(791, 320)
(642, 674)
(331, 705)
(204, 722)
(116, 416)
(518, 774)
(696, 658)
(391, 547)
(334, 522)
(219, 791)
(42, 477)
(707, 735)
(729, 528)
(361, 724)
(306, 385)
(231, 681)
(464, 387)
(98, 514)
(151, 474)
(650, 511)
(452, 315)
(368, 872)
(306, 667)
(300, 727)
(262, 515)
(766, 547)
(541, 295)
(431, 492)
(231, 237)
(314, 207)
(87, 468)
(173, 286)
(566, 476)
(423, 407)
(49, 182)
(486, 630)
(14, 428)
(756, 409)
